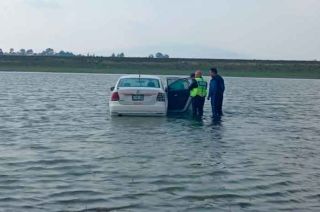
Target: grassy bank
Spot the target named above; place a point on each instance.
(236, 68)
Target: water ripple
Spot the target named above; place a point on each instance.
(61, 151)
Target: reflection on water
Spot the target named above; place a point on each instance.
(61, 151)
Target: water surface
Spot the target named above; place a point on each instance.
(61, 151)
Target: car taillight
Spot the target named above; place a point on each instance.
(161, 97)
(115, 97)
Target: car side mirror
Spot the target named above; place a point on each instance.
(112, 88)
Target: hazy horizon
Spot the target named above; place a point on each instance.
(246, 29)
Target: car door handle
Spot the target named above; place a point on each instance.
(175, 95)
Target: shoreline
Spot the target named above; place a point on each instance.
(174, 66)
(242, 75)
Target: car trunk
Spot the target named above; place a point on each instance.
(138, 96)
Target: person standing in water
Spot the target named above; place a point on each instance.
(216, 91)
(198, 92)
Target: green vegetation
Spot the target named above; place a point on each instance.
(163, 66)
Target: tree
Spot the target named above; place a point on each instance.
(48, 52)
(11, 52)
(151, 56)
(113, 55)
(159, 55)
(22, 52)
(120, 55)
(1, 52)
(65, 54)
(61, 53)
(29, 52)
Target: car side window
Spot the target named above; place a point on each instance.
(179, 85)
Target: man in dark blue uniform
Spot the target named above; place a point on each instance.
(216, 91)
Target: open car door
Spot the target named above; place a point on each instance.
(179, 100)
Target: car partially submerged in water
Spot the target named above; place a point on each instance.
(146, 95)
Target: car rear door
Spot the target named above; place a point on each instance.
(178, 94)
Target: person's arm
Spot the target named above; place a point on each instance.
(222, 85)
(213, 88)
(210, 93)
(193, 85)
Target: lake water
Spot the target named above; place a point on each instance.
(61, 151)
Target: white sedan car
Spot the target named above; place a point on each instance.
(138, 95)
(145, 95)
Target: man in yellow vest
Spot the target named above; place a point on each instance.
(198, 92)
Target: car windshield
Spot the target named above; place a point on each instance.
(139, 82)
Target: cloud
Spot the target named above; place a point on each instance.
(50, 4)
(265, 29)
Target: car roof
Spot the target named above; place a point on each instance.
(141, 76)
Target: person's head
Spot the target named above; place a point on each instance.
(198, 74)
(213, 72)
(192, 75)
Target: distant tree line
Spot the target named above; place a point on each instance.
(30, 52)
(118, 55)
(51, 52)
(158, 55)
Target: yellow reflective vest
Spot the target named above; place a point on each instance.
(201, 90)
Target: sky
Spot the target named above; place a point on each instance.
(230, 29)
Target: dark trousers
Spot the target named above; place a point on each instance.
(216, 104)
(197, 105)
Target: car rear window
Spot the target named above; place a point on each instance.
(139, 82)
